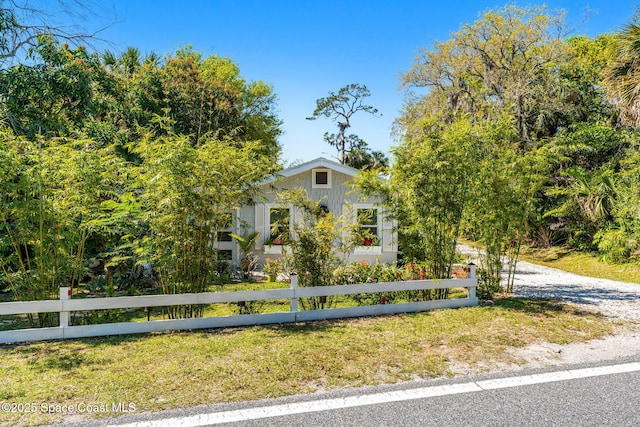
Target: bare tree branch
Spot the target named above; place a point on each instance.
(21, 23)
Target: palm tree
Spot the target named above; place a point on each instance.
(130, 61)
(250, 261)
(152, 59)
(622, 76)
(110, 60)
(595, 192)
(126, 64)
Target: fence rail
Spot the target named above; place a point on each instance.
(65, 306)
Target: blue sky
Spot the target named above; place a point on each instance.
(307, 48)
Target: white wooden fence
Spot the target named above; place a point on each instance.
(65, 306)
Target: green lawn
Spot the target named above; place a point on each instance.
(181, 369)
(584, 264)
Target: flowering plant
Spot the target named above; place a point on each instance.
(459, 272)
(274, 241)
(363, 272)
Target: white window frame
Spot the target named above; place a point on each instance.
(314, 184)
(373, 249)
(274, 249)
(233, 244)
(229, 229)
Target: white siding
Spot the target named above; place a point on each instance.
(337, 198)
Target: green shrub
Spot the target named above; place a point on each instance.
(487, 286)
(362, 272)
(615, 245)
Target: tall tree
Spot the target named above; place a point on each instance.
(501, 189)
(201, 96)
(508, 75)
(505, 61)
(189, 192)
(427, 191)
(50, 197)
(588, 146)
(340, 107)
(623, 74)
(58, 94)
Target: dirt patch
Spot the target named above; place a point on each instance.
(618, 301)
(625, 342)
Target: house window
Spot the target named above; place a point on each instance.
(226, 228)
(278, 225)
(368, 226)
(225, 244)
(224, 236)
(321, 178)
(369, 232)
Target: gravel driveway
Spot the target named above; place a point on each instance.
(617, 300)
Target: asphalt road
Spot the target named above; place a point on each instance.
(579, 395)
(598, 401)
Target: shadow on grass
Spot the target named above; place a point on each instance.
(532, 306)
(43, 348)
(46, 356)
(52, 359)
(540, 306)
(580, 294)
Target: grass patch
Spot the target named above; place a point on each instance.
(583, 263)
(182, 369)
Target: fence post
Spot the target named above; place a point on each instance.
(471, 269)
(65, 294)
(294, 286)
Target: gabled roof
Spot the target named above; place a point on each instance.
(320, 162)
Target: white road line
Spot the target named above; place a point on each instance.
(379, 398)
(557, 376)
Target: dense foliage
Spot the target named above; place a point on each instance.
(109, 162)
(508, 135)
(188, 195)
(312, 249)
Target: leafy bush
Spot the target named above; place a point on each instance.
(272, 267)
(487, 287)
(319, 246)
(362, 272)
(615, 245)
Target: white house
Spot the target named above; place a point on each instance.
(325, 181)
